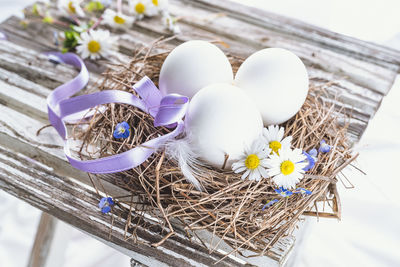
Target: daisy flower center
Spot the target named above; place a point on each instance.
(155, 2)
(140, 8)
(71, 7)
(287, 167)
(119, 20)
(252, 161)
(93, 46)
(275, 146)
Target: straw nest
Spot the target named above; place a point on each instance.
(229, 208)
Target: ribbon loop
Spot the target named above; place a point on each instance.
(85, 102)
(65, 90)
(172, 109)
(167, 111)
(150, 94)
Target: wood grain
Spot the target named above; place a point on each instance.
(43, 241)
(68, 200)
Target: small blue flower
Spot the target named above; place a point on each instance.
(300, 190)
(269, 204)
(283, 192)
(313, 153)
(324, 147)
(310, 160)
(105, 204)
(106, 209)
(122, 130)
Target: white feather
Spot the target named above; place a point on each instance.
(183, 153)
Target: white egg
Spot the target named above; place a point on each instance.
(192, 66)
(277, 80)
(221, 120)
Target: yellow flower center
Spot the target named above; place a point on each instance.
(119, 20)
(252, 161)
(93, 46)
(140, 8)
(287, 167)
(71, 7)
(121, 130)
(155, 2)
(275, 146)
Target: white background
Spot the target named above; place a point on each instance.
(368, 234)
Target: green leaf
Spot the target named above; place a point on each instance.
(93, 6)
(71, 40)
(35, 10)
(48, 19)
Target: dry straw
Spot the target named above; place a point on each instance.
(229, 208)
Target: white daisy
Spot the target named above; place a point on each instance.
(170, 23)
(95, 44)
(117, 20)
(253, 162)
(274, 137)
(141, 8)
(71, 7)
(160, 5)
(286, 169)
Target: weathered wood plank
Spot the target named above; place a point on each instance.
(67, 200)
(35, 67)
(353, 47)
(43, 241)
(25, 102)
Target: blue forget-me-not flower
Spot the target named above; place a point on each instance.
(105, 204)
(122, 130)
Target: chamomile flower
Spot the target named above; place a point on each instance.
(71, 7)
(95, 44)
(170, 23)
(117, 20)
(274, 137)
(253, 162)
(160, 5)
(286, 169)
(141, 8)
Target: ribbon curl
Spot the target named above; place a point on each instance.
(167, 111)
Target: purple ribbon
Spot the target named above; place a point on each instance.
(167, 111)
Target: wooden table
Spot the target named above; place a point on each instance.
(34, 169)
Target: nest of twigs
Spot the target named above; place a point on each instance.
(229, 208)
